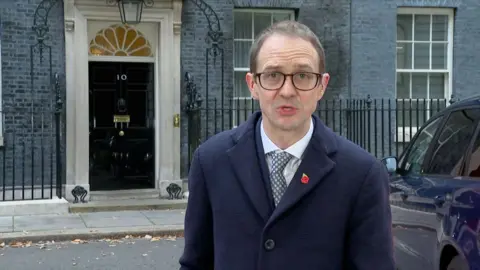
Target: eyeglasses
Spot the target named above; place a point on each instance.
(304, 81)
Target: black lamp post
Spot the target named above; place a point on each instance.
(131, 10)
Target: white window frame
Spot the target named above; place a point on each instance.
(410, 131)
(247, 69)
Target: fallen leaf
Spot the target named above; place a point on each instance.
(171, 238)
(78, 241)
(17, 244)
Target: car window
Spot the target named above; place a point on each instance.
(473, 169)
(412, 162)
(452, 143)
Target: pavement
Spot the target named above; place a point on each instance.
(128, 252)
(125, 254)
(95, 225)
(411, 218)
(155, 234)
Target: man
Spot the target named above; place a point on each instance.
(282, 191)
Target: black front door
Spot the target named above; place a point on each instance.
(121, 114)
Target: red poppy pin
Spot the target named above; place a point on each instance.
(305, 179)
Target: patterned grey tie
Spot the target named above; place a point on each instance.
(277, 179)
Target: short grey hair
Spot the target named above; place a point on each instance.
(289, 28)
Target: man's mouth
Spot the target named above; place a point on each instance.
(286, 110)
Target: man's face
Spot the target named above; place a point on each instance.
(287, 107)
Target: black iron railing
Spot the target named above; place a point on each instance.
(31, 151)
(30, 165)
(381, 126)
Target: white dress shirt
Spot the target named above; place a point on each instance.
(296, 150)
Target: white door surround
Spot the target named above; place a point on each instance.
(166, 14)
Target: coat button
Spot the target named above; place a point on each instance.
(269, 244)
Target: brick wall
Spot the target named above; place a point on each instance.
(374, 49)
(329, 19)
(23, 138)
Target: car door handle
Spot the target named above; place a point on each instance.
(439, 200)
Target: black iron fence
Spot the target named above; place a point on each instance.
(31, 161)
(30, 152)
(381, 126)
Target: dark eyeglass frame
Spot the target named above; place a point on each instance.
(318, 76)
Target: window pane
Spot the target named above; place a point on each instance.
(242, 23)
(473, 169)
(241, 50)
(439, 56)
(278, 17)
(422, 28)
(412, 163)
(419, 85)
(422, 56)
(241, 88)
(403, 85)
(261, 21)
(439, 28)
(437, 85)
(404, 55)
(452, 143)
(404, 27)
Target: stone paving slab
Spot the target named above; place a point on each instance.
(165, 217)
(115, 219)
(96, 224)
(47, 222)
(128, 205)
(6, 224)
(408, 217)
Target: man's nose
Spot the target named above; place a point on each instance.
(288, 89)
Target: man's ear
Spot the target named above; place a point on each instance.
(323, 85)
(250, 79)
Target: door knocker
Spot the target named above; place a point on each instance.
(121, 105)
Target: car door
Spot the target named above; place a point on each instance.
(426, 204)
(406, 216)
(460, 221)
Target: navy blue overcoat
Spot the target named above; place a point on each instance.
(340, 219)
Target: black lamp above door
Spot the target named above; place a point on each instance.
(131, 10)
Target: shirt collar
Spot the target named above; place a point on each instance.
(295, 150)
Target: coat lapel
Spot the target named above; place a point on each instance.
(244, 159)
(316, 164)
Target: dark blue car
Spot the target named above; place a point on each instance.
(435, 192)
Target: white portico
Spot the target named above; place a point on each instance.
(89, 26)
